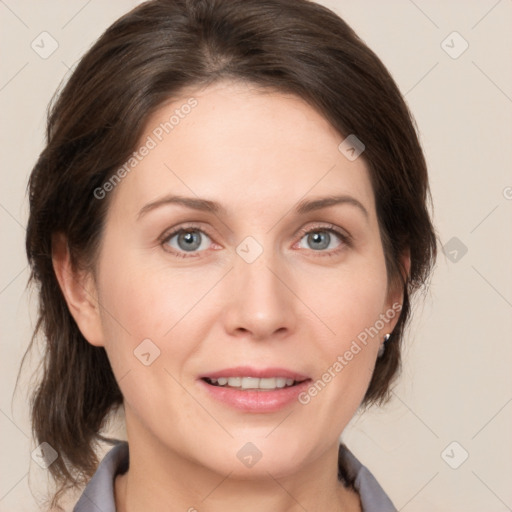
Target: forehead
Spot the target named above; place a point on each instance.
(240, 145)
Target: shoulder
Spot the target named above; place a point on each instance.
(99, 492)
(372, 495)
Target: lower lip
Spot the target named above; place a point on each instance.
(255, 400)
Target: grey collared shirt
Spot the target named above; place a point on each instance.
(98, 496)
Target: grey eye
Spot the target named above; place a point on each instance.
(189, 241)
(319, 240)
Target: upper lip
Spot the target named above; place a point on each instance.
(261, 373)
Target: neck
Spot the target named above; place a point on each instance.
(160, 479)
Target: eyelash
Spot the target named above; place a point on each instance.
(346, 240)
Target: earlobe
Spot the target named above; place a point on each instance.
(79, 290)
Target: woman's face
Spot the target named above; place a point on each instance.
(242, 250)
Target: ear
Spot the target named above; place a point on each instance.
(396, 292)
(79, 290)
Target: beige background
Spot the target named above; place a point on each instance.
(456, 384)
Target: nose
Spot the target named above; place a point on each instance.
(261, 303)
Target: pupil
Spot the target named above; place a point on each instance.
(319, 240)
(189, 241)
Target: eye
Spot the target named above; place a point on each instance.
(188, 240)
(321, 240)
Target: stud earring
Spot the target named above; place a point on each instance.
(382, 347)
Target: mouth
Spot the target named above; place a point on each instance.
(253, 383)
(254, 390)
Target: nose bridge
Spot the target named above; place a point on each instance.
(260, 303)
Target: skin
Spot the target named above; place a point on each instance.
(258, 154)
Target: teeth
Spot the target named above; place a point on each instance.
(235, 382)
(281, 382)
(253, 382)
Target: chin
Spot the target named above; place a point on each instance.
(254, 457)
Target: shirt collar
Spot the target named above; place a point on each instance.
(98, 496)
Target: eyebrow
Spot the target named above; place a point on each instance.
(303, 207)
(326, 202)
(193, 203)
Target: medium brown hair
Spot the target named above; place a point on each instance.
(147, 58)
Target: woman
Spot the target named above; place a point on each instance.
(226, 227)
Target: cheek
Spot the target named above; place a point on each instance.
(143, 305)
(141, 301)
(349, 301)
(349, 305)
